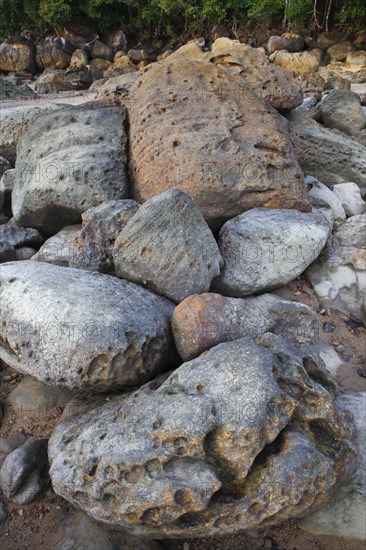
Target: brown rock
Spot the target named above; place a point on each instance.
(299, 62)
(356, 60)
(192, 130)
(18, 54)
(340, 51)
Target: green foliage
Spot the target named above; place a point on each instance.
(174, 17)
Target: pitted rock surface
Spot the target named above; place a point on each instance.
(67, 162)
(168, 247)
(191, 130)
(245, 435)
(81, 330)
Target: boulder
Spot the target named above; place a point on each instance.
(9, 91)
(318, 190)
(4, 166)
(342, 110)
(18, 54)
(81, 330)
(116, 39)
(101, 51)
(15, 122)
(230, 152)
(359, 77)
(356, 60)
(100, 64)
(59, 249)
(251, 69)
(276, 43)
(93, 245)
(115, 89)
(264, 249)
(137, 55)
(168, 247)
(326, 40)
(53, 81)
(340, 51)
(8, 445)
(295, 41)
(67, 162)
(345, 515)
(337, 82)
(299, 62)
(24, 472)
(329, 155)
(202, 321)
(339, 274)
(313, 84)
(54, 53)
(350, 196)
(12, 237)
(244, 435)
(79, 59)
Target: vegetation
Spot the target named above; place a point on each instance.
(156, 18)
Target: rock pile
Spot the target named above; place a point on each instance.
(203, 406)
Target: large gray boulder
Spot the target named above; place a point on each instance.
(67, 162)
(264, 249)
(16, 120)
(205, 320)
(342, 110)
(168, 247)
(81, 330)
(327, 154)
(239, 437)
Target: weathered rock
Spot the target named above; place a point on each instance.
(116, 39)
(340, 51)
(57, 80)
(18, 54)
(168, 247)
(264, 249)
(15, 122)
(337, 82)
(276, 43)
(299, 62)
(350, 196)
(10, 91)
(251, 69)
(239, 437)
(296, 42)
(230, 152)
(313, 85)
(339, 274)
(4, 166)
(24, 253)
(35, 398)
(356, 60)
(77, 329)
(79, 59)
(137, 55)
(100, 64)
(8, 445)
(67, 162)
(93, 246)
(359, 77)
(115, 89)
(12, 237)
(318, 190)
(329, 155)
(24, 472)
(345, 515)
(54, 53)
(59, 249)
(342, 110)
(326, 40)
(102, 51)
(205, 320)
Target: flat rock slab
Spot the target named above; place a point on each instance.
(67, 162)
(264, 249)
(245, 435)
(190, 129)
(168, 247)
(81, 330)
